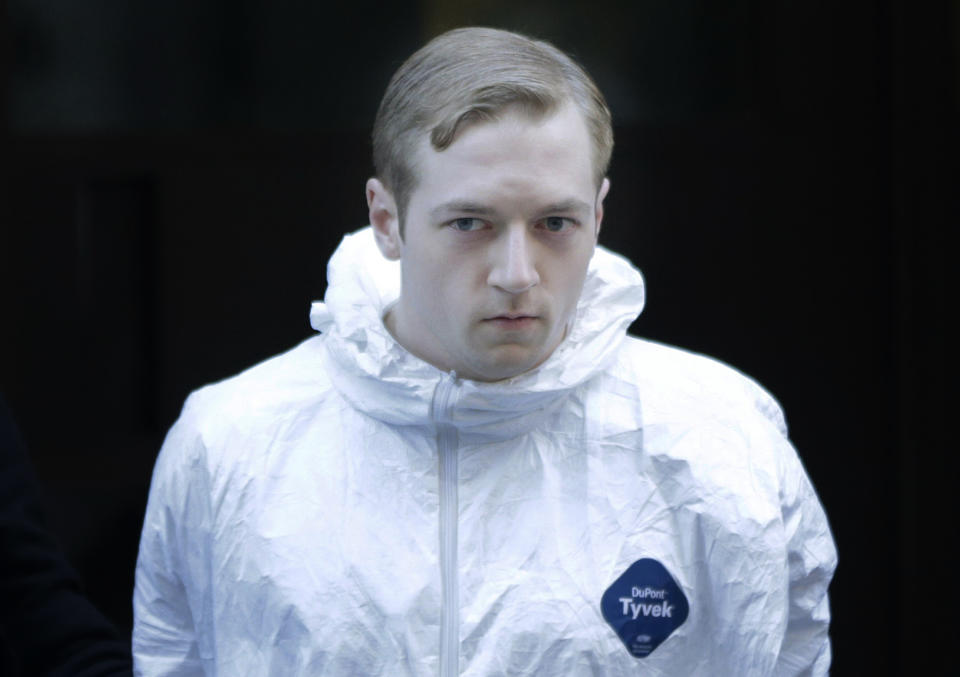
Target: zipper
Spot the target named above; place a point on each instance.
(449, 509)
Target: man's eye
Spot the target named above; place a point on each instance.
(557, 224)
(466, 224)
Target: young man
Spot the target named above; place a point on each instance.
(473, 469)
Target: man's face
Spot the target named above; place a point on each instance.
(498, 235)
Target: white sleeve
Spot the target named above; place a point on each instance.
(811, 560)
(171, 591)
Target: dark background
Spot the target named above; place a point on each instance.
(177, 172)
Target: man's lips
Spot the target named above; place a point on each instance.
(513, 316)
(511, 320)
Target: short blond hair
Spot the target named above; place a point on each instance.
(472, 74)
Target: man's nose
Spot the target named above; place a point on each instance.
(513, 268)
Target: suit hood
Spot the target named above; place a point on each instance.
(380, 377)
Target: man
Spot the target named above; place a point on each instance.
(472, 469)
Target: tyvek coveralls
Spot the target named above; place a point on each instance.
(347, 509)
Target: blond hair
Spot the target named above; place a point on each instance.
(472, 74)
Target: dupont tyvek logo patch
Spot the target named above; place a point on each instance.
(644, 606)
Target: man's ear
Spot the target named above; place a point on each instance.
(604, 189)
(384, 219)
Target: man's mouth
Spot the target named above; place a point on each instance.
(512, 320)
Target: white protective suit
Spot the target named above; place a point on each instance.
(347, 509)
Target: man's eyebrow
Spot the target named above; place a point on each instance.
(461, 207)
(467, 207)
(571, 205)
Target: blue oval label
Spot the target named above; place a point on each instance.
(644, 606)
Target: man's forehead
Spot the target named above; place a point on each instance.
(471, 121)
(559, 135)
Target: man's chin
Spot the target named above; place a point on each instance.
(507, 361)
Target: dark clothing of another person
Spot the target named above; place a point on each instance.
(47, 626)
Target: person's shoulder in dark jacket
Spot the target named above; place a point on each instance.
(47, 625)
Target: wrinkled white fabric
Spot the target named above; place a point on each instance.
(293, 524)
